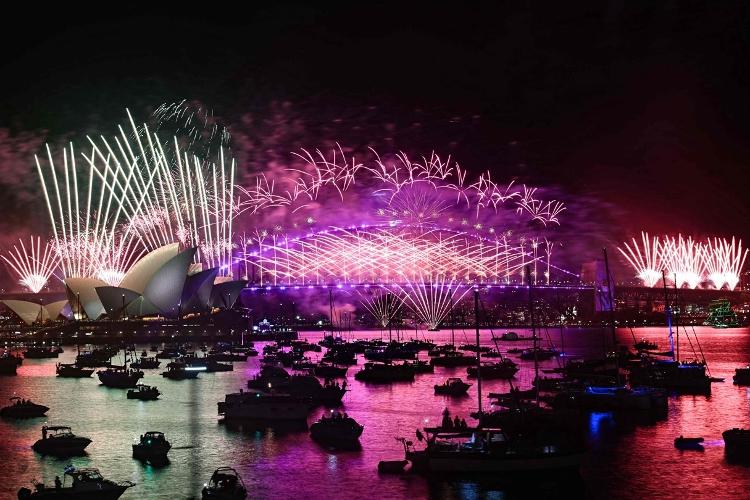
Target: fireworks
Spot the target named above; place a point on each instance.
(383, 255)
(33, 265)
(381, 304)
(139, 195)
(686, 262)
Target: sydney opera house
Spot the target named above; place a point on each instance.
(164, 284)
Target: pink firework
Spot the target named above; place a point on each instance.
(33, 265)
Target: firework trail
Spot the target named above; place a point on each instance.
(204, 133)
(645, 258)
(381, 304)
(33, 265)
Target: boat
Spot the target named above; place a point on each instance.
(494, 450)
(742, 376)
(36, 352)
(119, 377)
(265, 406)
(603, 398)
(146, 363)
(721, 315)
(98, 358)
(392, 466)
(420, 366)
(453, 359)
(441, 349)
(225, 484)
(73, 370)
(329, 370)
(87, 484)
(301, 386)
(510, 337)
(645, 345)
(688, 443)
(209, 364)
(59, 440)
(177, 370)
(452, 387)
(504, 369)
(539, 353)
(474, 348)
(152, 446)
(680, 376)
(144, 393)
(23, 408)
(385, 372)
(338, 430)
(8, 365)
(737, 443)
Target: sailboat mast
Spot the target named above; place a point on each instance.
(479, 354)
(533, 332)
(610, 301)
(668, 312)
(677, 325)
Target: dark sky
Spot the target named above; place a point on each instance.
(641, 104)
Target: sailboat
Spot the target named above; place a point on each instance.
(73, 370)
(528, 444)
(120, 377)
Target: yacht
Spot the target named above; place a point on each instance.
(40, 352)
(266, 406)
(119, 377)
(87, 484)
(737, 443)
(59, 440)
(452, 387)
(338, 430)
(146, 363)
(742, 376)
(385, 372)
(177, 370)
(225, 484)
(144, 393)
(504, 369)
(152, 445)
(23, 408)
(73, 370)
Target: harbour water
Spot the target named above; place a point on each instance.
(629, 457)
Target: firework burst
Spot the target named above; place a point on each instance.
(33, 265)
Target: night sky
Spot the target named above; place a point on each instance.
(640, 107)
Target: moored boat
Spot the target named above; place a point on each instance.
(688, 443)
(264, 406)
(87, 484)
(737, 443)
(23, 408)
(59, 440)
(742, 376)
(452, 387)
(385, 372)
(72, 370)
(225, 484)
(151, 446)
(338, 430)
(119, 377)
(177, 370)
(144, 393)
(504, 369)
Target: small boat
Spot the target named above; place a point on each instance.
(144, 393)
(180, 371)
(152, 446)
(539, 353)
(88, 484)
(40, 353)
(452, 387)
(737, 443)
(742, 376)
(72, 370)
(453, 359)
(225, 484)
(504, 369)
(385, 372)
(392, 466)
(329, 370)
(119, 377)
(59, 440)
(154, 348)
(338, 430)
(645, 345)
(421, 366)
(8, 365)
(510, 337)
(688, 443)
(23, 408)
(146, 363)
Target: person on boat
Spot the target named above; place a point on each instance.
(457, 422)
(44, 432)
(463, 424)
(58, 483)
(447, 422)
